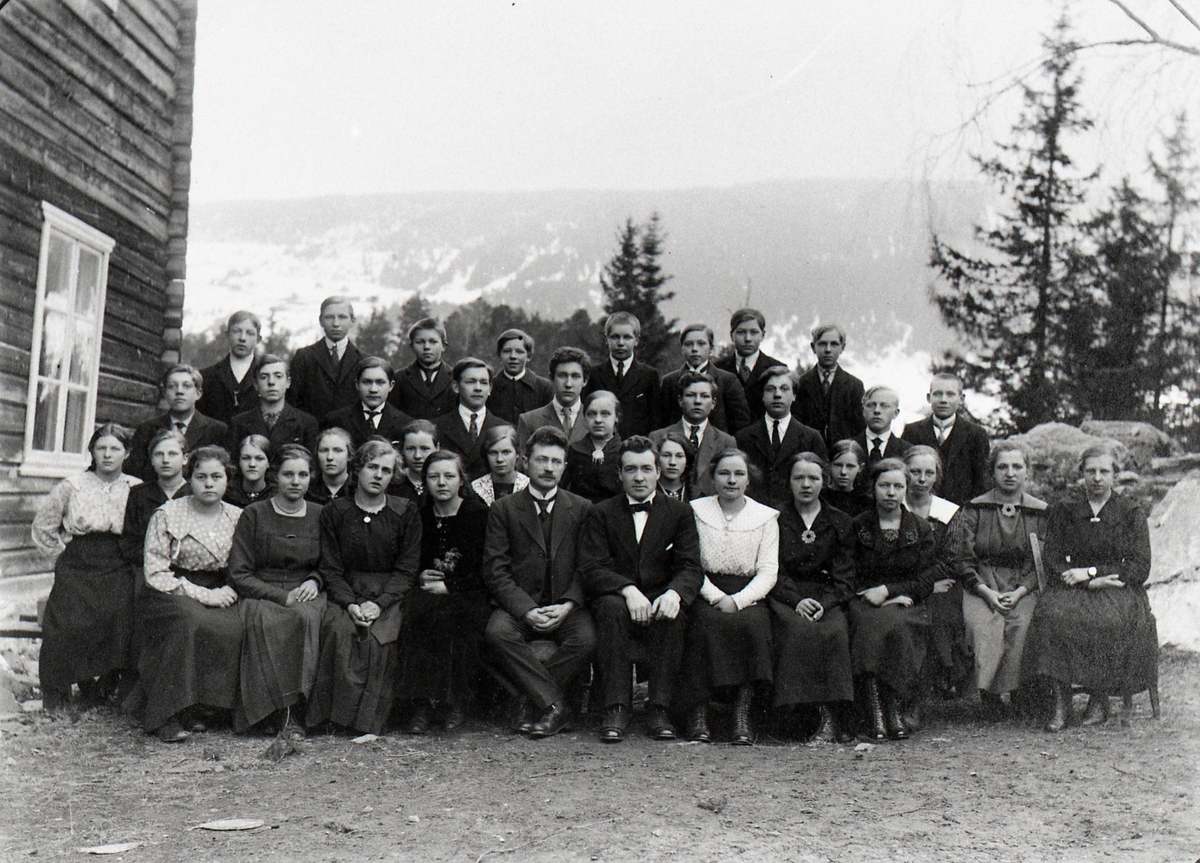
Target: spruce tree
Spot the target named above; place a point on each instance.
(633, 281)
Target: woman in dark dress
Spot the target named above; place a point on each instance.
(816, 580)
(332, 480)
(846, 490)
(166, 449)
(273, 567)
(502, 478)
(676, 466)
(593, 461)
(889, 623)
(187, 618)
(446, 616)
(1093, 626)
(88, 621)
(370, 549)
(251, 478)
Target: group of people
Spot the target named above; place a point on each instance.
(330, 542)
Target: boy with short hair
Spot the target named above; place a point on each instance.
(322, 374)
(748, 328)
(229, 384)
(461, 430)
(373, 380)
(635, 384)
(516, 389)
(181, 386)
(273, 418)
(423, 389)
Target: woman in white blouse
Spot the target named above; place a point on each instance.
(188, 622)
(502, 478)
(729, 641)
(88, 620)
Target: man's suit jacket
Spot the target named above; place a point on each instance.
(896, 446)
(319, 385)
(352, 418)
(667, 558)
(754, 386)
(202, 431)
(713, 442)
(731, 414)
(837, 418)
(638, 395)
(293, 426)
(423, 401)
(515, 556)
(453, 435)
(510, 399)
(773, 487)
(964, 457)
(531, 421)
(224, 398)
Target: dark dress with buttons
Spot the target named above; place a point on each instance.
(589, 478)
(364, 557)
(1104, 640)
(273, 554)
(812, 659)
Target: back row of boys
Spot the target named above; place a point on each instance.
(753, 400)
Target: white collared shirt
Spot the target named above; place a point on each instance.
(240, 367)
(518, 377)
(884, 439)
(627, 364)
(750, 362)
(942, 429)
(785, 423)
(688, 425)
(546, 501)
(640, 518)
(822, 377)
(340, 346)
(372, 415)
(569, 413)
(465, 412)
(176, 423)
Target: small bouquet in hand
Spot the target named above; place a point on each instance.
(441, 567)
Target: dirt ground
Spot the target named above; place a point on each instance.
(960, 790)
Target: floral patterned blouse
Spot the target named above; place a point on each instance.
(177, 536)
(81, 504)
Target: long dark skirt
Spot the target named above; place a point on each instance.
(89, 615)
(280, 647)
(949, 662)
(889, 643)
(440, 645)
(1103, 640)
(812, 660)
(723, 649)
(356, 675)
(189, 657)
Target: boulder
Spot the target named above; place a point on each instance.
(1174, 583)
(1054, 450)
(1143, 441)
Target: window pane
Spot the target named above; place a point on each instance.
(87, 286)
(45, 417)
(75, 436)
(56, 344)
(83, 353)
(58, 276)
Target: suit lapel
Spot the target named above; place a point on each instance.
(558, 522)
(325, 361)
(527, 514)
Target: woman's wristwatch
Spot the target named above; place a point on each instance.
(1092, 572)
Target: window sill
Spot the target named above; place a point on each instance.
(56, 465)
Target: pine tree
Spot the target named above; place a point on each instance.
(1017, 306)
(633, 281)
(414, 309)
(376, 336)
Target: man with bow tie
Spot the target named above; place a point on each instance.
(641, 560)
(372, 415)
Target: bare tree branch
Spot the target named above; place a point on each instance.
(1185, 13)
(1155, 37)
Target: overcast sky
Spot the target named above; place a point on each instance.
(302, 98)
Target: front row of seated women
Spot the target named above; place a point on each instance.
(288, 614)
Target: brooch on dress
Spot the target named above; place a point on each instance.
(1095, 519)
(808, 537)
(1009, 510)
(910, 536)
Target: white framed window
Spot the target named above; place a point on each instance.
(68, 324)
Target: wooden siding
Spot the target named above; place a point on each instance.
(95, 118)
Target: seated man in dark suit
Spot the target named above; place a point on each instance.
(730, 414)
(423, 389)
(569, 376)
(274, 419)
(461, 430)
(634, 383)
(229, 384)
(516, 389)
(641, 562)
(829, 398)
(322, 374)
(770, 442)
(696, 399)
(963, 445)
(531, 568)
(372, 415)
(881, 405)
(181, 386)
(748, 328)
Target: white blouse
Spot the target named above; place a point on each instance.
(81, 504)
(483, 486)
(177, 535)
(746, 545)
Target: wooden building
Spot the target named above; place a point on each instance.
(95, 152)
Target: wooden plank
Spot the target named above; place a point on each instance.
(24, 561)
(157, 69)
(165, 28)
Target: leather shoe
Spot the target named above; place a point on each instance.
(616, 720)
(173, 732)
(1097, 710)
(418, 723)
(698, 729)
(659, 724)
(556, 718)
(523, 720)
(455, 719)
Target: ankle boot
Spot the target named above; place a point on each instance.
(1097, 709)
(896, 728)
(1058, 707)
(697, 728)
(742, 733)
(876, 727)
(827, 730)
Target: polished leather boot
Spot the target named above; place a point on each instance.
(1058, 707)
(827, 730)
(1097, 709)
(697, 729)
(877, 729)
(896, 728)
(742, 733)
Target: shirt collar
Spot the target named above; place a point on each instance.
(827, 375)
(539, 497)
(372, 411)
(945, 425)
(751, 360)
(785, 423)
(465, 412)
(700, 369)
(627, 363)
(340, 345)
(518, 377)
(187, 421)
(687, 427)
(884, 438)
(649, 500)
(559, 409)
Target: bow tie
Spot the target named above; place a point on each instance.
(644, 506)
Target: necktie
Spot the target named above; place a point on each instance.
(333, 355)
(695, 437)
(826, 383)
(744, 370)
(775, 439)
(180, 426)
(427, 376)
(544, 516)
(373, 417)
(473, 429)
(876, 452)
(565, 419)
(620, 373)
(271, 419)
(644, 506)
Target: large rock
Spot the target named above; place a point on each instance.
(1174, 582)
(1143, 441)
(1054, 450)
